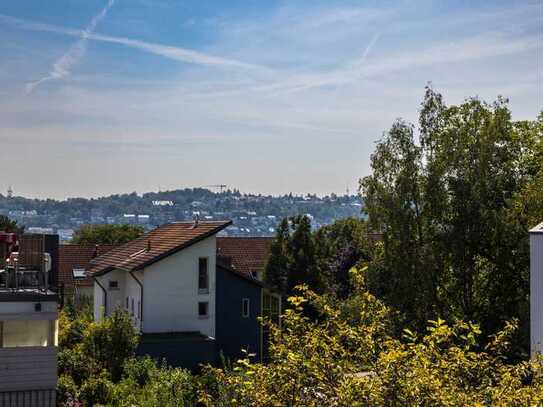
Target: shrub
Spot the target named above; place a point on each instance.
(349, 359)
(96, 390)
(110, 342)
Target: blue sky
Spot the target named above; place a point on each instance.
(108, 96)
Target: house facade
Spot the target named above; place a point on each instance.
(189, 305)
(536, 289)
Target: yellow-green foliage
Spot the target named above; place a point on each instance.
(332, 362)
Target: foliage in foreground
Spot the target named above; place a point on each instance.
(334, 361)
(347, 356)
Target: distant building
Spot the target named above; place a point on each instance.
(40, 230)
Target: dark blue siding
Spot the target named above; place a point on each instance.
(188, 353)
(233, 331)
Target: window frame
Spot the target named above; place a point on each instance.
(113, 285)
(206, 304)
(203, 288)
(245, 307)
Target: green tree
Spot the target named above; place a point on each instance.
(106, 234)
(9, 226)
(302, 259)
(339, 247)
(292, 260)
(454, 213)
(276, 271)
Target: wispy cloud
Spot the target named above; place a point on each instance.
(62, 67)
(167, 51)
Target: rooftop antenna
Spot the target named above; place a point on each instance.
(10, 192)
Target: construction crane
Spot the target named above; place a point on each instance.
(220, 187)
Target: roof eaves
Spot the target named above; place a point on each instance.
(241, 275)
(537, 229)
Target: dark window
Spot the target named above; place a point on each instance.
(202, 309)
(132, 308)
(203, 276)
(127, 303)
(113, 285)
(139, 310)
(245, 308)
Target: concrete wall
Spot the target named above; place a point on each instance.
(170, 297)
(536, 289)
(28, 368)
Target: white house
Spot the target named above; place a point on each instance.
(536, 288)
(186, 301)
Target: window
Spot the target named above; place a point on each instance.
(203, 309)
(139, 310)
(245, 308)
(132, 308)
(271, 308)
(203, 276)
(78, 273)
(126, 303)
(113, 285)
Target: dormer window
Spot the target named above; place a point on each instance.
(78, 273)
(203, 276)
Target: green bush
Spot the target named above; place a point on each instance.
(110, 342)
(350, 360)
(66, 389)
(96, 390)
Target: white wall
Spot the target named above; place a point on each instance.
(170, 297)
(536, 288)
(115, 297)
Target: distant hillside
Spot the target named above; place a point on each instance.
(252, 214)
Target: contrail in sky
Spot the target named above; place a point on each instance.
(62, 66)
(167, 51)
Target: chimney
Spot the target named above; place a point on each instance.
(196, 219)
(148, 245)
(95, 252)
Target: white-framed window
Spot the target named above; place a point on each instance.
(78, 273)
(245, 307)
(203, 309)
(203, 276)
(113, 285)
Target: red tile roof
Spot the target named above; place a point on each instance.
(77, 256)
(247, 254)
(155, 245)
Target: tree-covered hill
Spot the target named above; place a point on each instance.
(252, 214)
